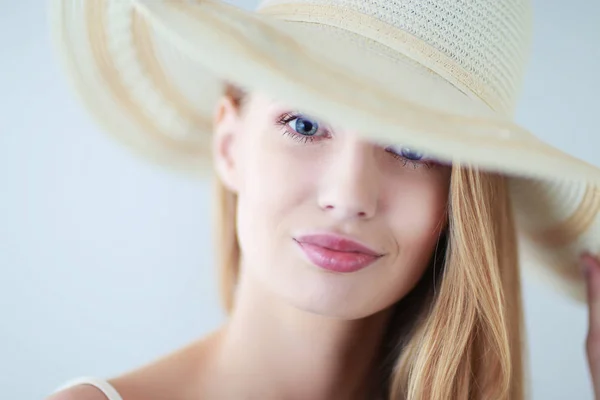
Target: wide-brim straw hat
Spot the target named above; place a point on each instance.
(442, 76)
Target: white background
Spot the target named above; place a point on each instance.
(106, 262)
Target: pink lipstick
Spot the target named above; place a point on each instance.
(336, 253)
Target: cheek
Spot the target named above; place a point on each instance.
(277, 173)
(415, 215)
(417, 210)
(277, 184)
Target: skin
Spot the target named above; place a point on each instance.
(297, 331)
(289, 311)
(591, 268)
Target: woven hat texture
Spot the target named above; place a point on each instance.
(443, 76)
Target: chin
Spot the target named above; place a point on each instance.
(329, 295)
(334, 311)
(341, 312)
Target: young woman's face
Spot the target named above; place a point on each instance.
(329, 222)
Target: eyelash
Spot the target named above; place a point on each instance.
(287, 118)
(290, 116)
(415, 164)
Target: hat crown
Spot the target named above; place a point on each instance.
(481, 45)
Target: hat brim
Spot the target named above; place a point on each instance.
(151, 72)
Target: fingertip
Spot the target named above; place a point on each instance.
(585, 263)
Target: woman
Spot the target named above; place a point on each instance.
(354, 266)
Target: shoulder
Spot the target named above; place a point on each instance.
(176, 375)
(79, 392)
(173, 376)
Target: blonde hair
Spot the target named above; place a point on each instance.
(459, 333)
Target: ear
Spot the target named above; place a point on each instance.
(226, 126)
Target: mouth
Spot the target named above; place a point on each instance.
(336, 253)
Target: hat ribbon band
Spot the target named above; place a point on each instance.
(398, 40)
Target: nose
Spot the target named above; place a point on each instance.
(349, 188)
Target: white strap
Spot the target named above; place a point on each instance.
(109, 391)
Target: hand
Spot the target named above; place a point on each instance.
(591, 269)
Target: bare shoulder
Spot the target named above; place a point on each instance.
(79, 392)
(174, 376)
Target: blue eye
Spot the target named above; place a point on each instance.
(411, 154)
(406, 153)
(304, 126)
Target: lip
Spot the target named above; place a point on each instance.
(336, 253)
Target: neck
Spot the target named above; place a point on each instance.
(271, 350)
